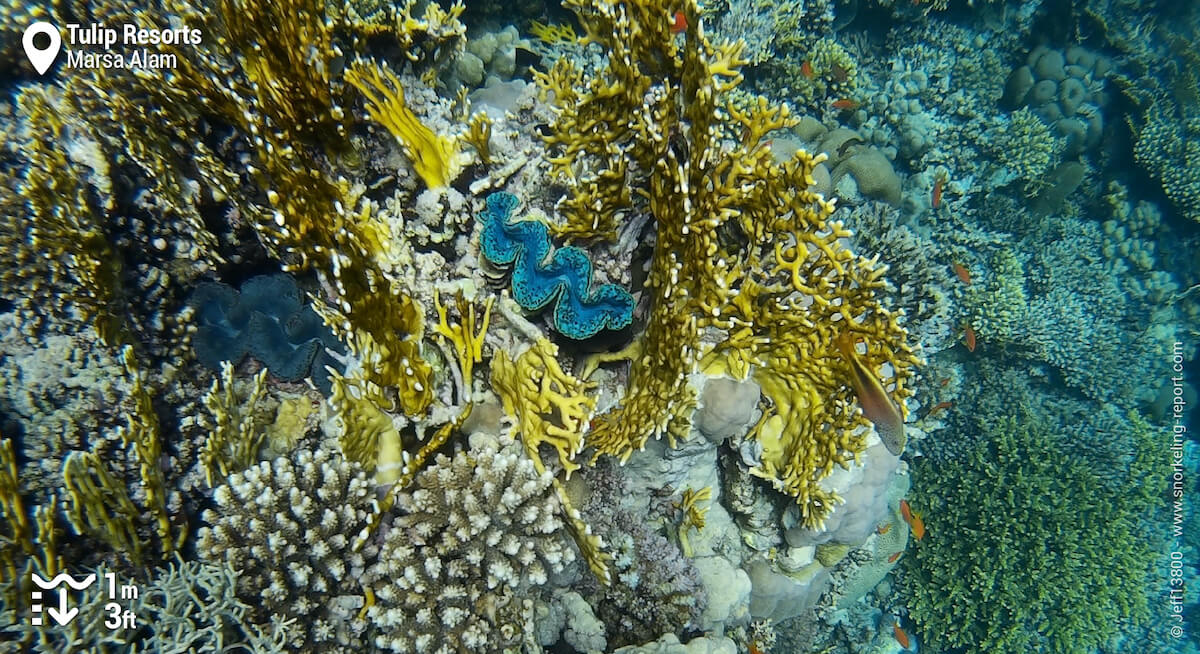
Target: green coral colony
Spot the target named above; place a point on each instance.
(359, 326)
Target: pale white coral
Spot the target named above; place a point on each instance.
(293, 560)
(471, 575)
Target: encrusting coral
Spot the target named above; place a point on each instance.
(539, 278)
(749, 275)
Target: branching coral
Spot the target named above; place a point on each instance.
(271, 73)
(550, 406)
(478, 533)
(749, 275)
(286, 526)
(539, 278)
(99, 504)
(1014, 511)
(434, 157)
(235, 426)
(61, 255)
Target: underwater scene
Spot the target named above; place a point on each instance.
(600, 326)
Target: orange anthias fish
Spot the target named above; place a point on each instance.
(969, 338)
(936, 198)
(964, 275)
(895, 557)
(915, 523)
(754, 648)
(679, 23)
(883, 529)
(846, 104)
(901, 635)
(875, 403)
(806, 69)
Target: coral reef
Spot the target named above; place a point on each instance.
(790, 273)
(827, 248)
(286, 527)
(1065, 88)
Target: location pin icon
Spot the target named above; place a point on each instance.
(42, 58)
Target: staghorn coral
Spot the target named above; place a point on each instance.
(286, 526)
(749, 275)
(1014, 510)
(539, 279)
(471, 542)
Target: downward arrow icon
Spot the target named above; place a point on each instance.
(61, 615)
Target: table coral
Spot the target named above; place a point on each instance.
(539, 278)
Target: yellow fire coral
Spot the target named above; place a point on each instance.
(235, 432)
(749, 277)
(434, 157)
(550, 406)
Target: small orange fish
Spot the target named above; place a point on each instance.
(969, 338)
(846, 104)
(806, 69)
(895, 557)
(940, 406)
(883, 529)
(936, 199)
(754, 647)
(901, 635)
(917, 525)
(964, 275)
(680, 23)
(944, 382)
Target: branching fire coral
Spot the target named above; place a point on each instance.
(749, 274)
(434, 157)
